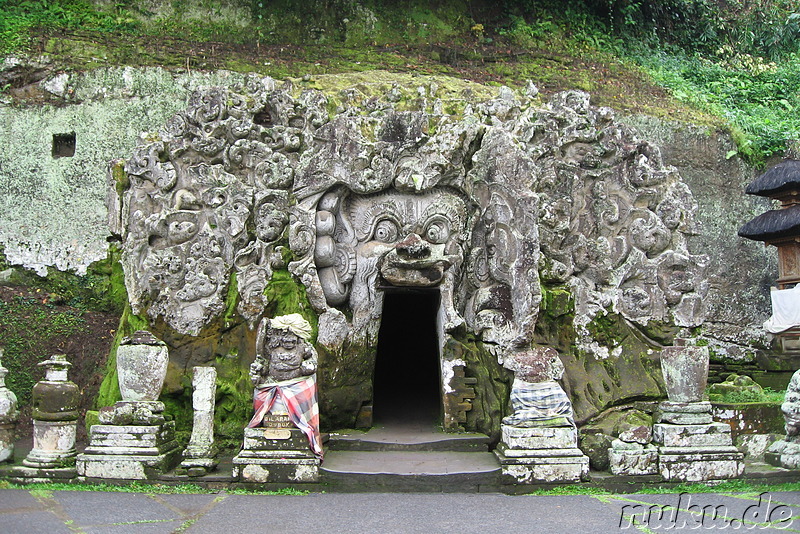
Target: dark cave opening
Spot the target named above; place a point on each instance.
(407, 376)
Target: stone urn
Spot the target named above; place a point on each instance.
(141, 366)
(8, 416)
(685, 370)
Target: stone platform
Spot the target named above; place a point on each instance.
(692, 448)
(135, 452)
(356, 471)
(275, 455)
(541, 454)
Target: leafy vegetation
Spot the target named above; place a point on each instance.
(18, 19)
(733, 59)
(614, 49)
(737, 397)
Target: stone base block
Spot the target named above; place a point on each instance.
(271, 439)
(156, 441)
(143, 436)
(133, 413)
(692, 464)
(633, 462)
(706, 435)
(196, 467)
(538, 438)
(27, 475)
(126, 466)
(755, 445)
(784, 454)
(684, 413)
(285, 470)
(532, 470)
(7, 438)
(53, 445)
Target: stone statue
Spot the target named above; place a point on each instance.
(786, 452)
(283, 374)
(536, 398)
(539, 440)
(791, 406)
(283, 352)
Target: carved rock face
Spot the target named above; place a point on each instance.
(415, 237)
(478, 204)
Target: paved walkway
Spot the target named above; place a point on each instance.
(70, 512)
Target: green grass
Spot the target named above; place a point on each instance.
(45, 489)
(731, 486)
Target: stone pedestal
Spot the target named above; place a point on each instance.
(692, 448)
(55, 414)
(541, 454)
(134, 443)
(633, 454)
(275, 455)
(786, 452)
(199, 457)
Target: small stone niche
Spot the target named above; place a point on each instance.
(64, 145)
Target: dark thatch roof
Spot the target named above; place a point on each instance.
(782, 177)
(773, 224)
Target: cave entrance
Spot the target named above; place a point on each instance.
(407, 388)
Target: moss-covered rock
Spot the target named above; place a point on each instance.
(630, 372)
(492, 388)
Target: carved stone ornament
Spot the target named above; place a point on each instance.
(366, 200)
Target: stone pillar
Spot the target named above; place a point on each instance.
(55, 418)
(691, 447)
(134, 441)
(786, 452)
(199, 455)
(8, 416)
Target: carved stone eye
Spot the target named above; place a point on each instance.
(437, 232)
(386, 231)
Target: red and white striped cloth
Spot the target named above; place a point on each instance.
(300, 398)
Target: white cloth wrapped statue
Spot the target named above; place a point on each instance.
(536, 398)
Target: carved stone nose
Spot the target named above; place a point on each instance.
(413, 247)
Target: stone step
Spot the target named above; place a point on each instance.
(393, 439)
(410, 471)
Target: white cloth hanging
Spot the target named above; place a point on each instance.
(785, 310)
